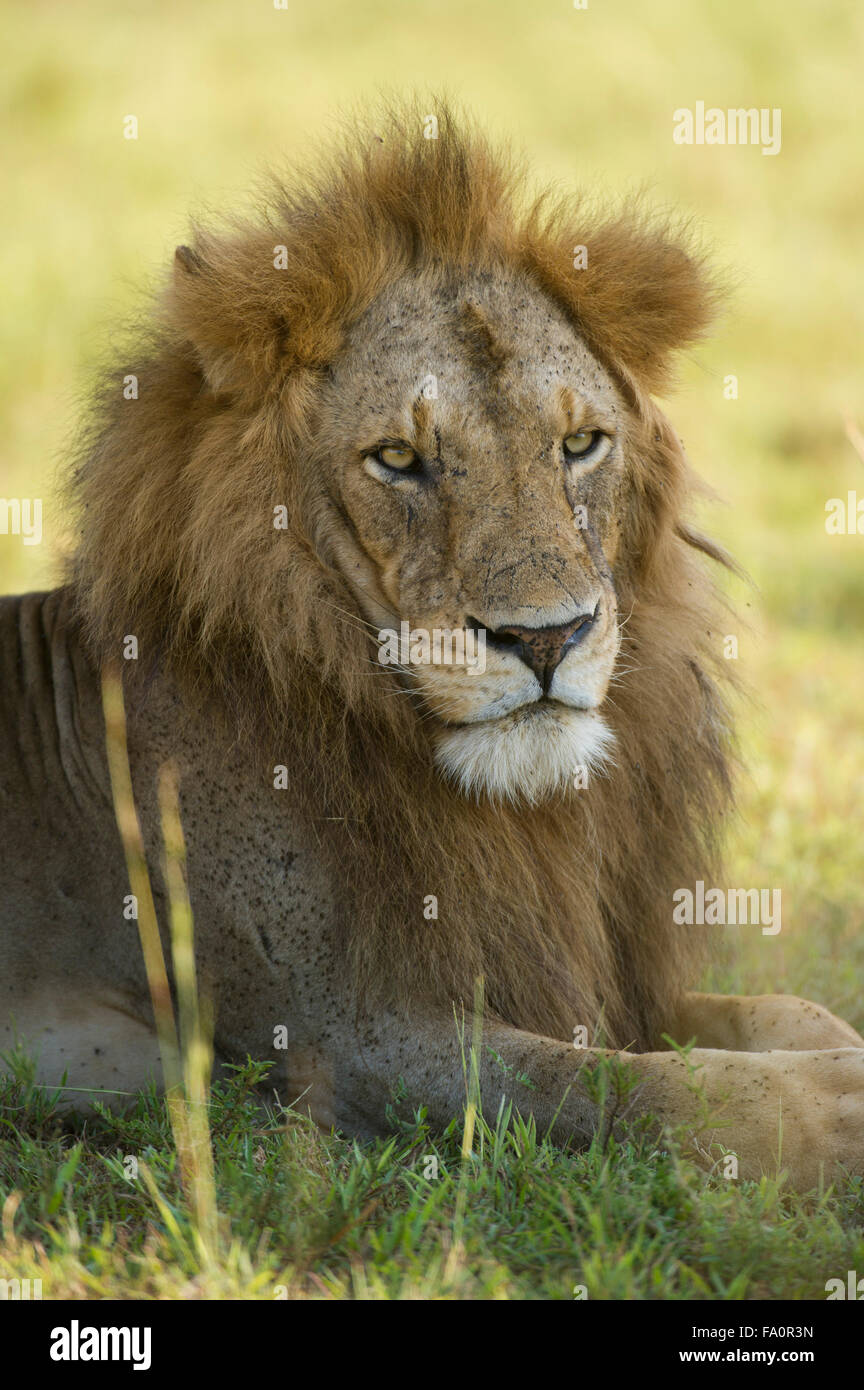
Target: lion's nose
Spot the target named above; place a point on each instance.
(542, 648)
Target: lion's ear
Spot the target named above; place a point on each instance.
(649, 298)
(226, 300)
(637, 290)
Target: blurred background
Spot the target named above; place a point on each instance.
(225, 89)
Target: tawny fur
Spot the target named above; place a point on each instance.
(564, 908)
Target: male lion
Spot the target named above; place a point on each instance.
(404, 396)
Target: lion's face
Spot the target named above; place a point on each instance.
(474, 453)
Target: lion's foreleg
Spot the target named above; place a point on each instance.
(801, 1111)
(428, 1061)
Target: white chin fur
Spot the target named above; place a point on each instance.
(525, 757)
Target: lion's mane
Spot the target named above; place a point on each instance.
(566, 908)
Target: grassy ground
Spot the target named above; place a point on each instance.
(304, 1215)
(221, 91)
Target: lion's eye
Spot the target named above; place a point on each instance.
(582, 442)
(397, 456)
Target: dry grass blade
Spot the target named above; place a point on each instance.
(139, 879)
(195, 1036)
(187, 1069)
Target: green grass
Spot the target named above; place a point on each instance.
(221, 92)
(307, 1215)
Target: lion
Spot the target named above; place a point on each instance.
(408, 399)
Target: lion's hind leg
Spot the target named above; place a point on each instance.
(105, 1052)
(760, 1023)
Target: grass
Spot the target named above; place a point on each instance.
(309, 1215)
(91, 218)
